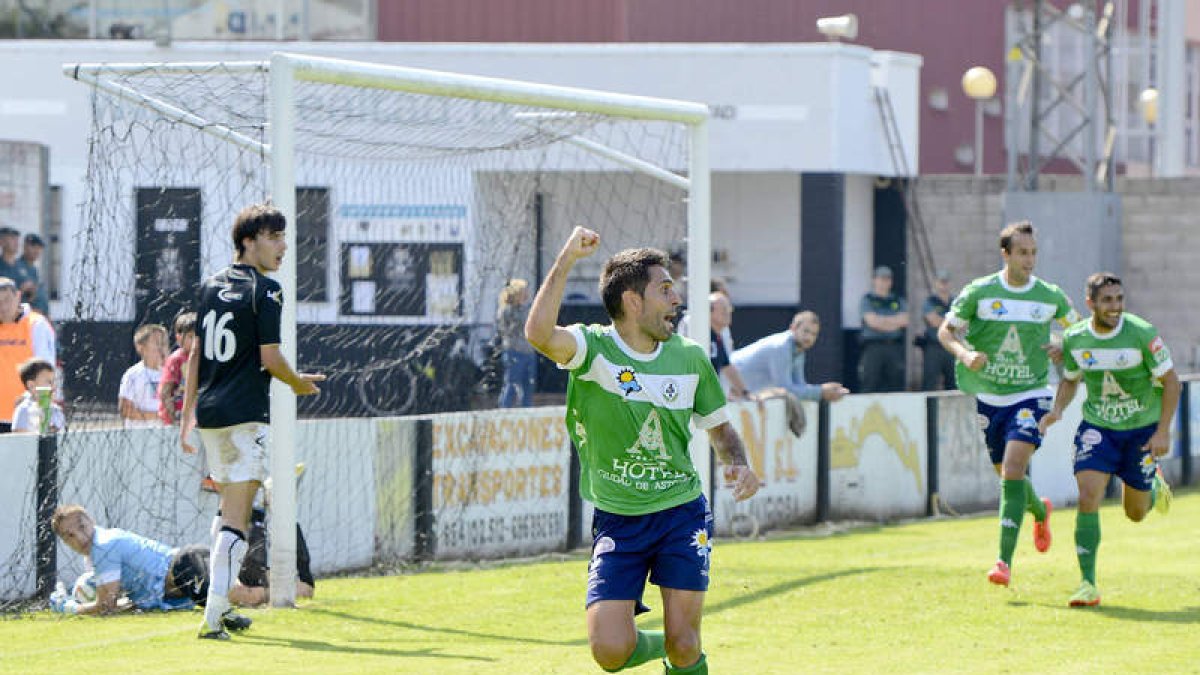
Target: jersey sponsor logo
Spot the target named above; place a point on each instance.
(227, 294)
(1107, 358)
(1008, 309)
(1090, 437)
(627, 381)
(1157, 345)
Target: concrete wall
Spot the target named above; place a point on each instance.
(963, 217)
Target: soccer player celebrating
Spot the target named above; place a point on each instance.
(228, 388)
(1132, 392)
(634, 386)
(1004, 360)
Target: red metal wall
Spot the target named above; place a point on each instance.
(951, 36)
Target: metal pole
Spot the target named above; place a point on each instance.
(978, 137)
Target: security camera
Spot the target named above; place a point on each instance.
(844, 27)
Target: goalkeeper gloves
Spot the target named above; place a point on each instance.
(62, 603)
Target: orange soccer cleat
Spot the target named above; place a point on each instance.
(1041, 529)
(1000, 574)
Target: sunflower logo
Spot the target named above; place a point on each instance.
(701, 543)
(998, 308)
(1088, 359)
(627, 381)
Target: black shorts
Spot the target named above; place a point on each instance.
(189, 574)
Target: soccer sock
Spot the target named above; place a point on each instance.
(1032, 503)
(1087, 543)
(1154, 491)
(649, 646)
(226, 560)
(1012, 512)
(698, 668)
(215, 528)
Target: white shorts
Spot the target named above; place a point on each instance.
(237, 454)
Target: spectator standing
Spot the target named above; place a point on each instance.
(171, 386)
(884, 318)
(138, 396)
(37, 296)
(519, 358)
(24, 333)
(937, 366)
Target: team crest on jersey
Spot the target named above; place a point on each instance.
(627, 381)
(276, 295)
(1088, 359)
(998, 308)
(1122, 359)
(1037, 313)
(670, 391)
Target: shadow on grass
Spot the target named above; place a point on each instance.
(709, 609)
(1183, 616)
(318, 646)
(409, 625)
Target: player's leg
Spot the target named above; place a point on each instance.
(1141, 475)
(680, 570)
(1092, 484)
(238, 458)
(682, 611)
(616, 580)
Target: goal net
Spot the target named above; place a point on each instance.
(413, 198)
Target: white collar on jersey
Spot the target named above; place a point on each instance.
(1015, 289)
(635, 355)
(1109, 335)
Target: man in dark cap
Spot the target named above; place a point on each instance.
(884, 317)
(33, 290)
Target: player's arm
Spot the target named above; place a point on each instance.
(948, 336)
(541, 329)
(273, 361)
(1067, 386)
(1160, 443)
(187, 421)
(728, 446)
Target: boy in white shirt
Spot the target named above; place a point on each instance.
(35, 374)
(138, 397)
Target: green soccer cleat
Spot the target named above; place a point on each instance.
(1163, 496)
(1086, 596)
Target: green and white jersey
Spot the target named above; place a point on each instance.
(1121, 371)
(628, 415)
(1009, 325)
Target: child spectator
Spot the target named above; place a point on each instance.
(36, 373)
(171, 387)
(138, 397)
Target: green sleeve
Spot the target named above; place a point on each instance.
(710, 397)
(964, 305)
(1069, 363)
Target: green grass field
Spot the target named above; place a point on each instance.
(902, 599)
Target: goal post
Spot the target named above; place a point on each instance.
(316, 114)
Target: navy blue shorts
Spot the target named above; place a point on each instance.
(1016, 422)
(1120, 453)
(672, 546)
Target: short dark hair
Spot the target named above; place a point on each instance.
(628, 270)
(254, 219)
(1013, 229)
(32, 239)
(31, 368)
(185, 323)
(1099, 280)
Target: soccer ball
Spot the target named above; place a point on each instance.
(85, 588)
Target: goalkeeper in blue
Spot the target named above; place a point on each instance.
(1132, 393)
(149, 573)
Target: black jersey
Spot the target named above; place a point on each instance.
(239, 310)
